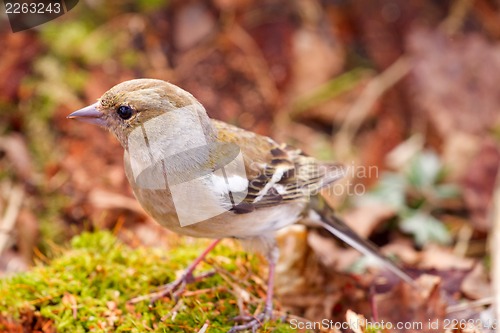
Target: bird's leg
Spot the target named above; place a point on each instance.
(255, 322)
(175, 288)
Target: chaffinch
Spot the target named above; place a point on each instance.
(205, 178)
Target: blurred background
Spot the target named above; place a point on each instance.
(405, 89)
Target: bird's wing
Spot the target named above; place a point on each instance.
(281, 173)
(276, 173)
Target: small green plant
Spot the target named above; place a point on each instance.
(417, 193)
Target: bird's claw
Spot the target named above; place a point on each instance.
(252, 322)
(174, 289)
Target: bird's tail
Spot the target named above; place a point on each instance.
(328, 219)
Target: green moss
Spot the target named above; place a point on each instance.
(87, 287)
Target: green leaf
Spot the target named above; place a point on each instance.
(389, 191)
(425, 169)
(425, 228)
(447, 191)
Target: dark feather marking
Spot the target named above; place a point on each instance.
(274, 195)
(277, 152)
(243, 208)
(277, 161)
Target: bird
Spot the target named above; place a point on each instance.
(205, 178)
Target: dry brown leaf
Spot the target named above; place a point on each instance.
(315, 59)
(28, 321)
(404, 250)
(12, 262)
(381, 25)
(458, 151)
(16, 149)
(105, 199)
(356, 321)
(330, 254)
(364, 219)
(414, 306)
(28, 232)
(476, 284)
(479, 183)
(18, 52)
(192, 23)
(290, 278)
(148, 234)
(442, 258)
(455, 80)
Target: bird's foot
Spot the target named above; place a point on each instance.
(173, 289)
(252, 323)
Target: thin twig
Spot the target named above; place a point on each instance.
(469, 305)
(204, 328)
(456, 17)
(173, 313)
(364, 104)
(463, 240)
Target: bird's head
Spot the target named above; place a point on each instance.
(131, 105)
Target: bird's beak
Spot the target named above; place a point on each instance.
(89, 114)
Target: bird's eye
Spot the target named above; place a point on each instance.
(125, 112)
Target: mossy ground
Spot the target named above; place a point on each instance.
(87, 286)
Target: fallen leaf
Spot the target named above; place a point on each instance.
(443, 258)
(356, 321)
(365, 219)
(192, 23)
(109, 200)
(290, 268)
(415, 307)
(455, 80)
(476, 284)
(479, 183)
(16, 150)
